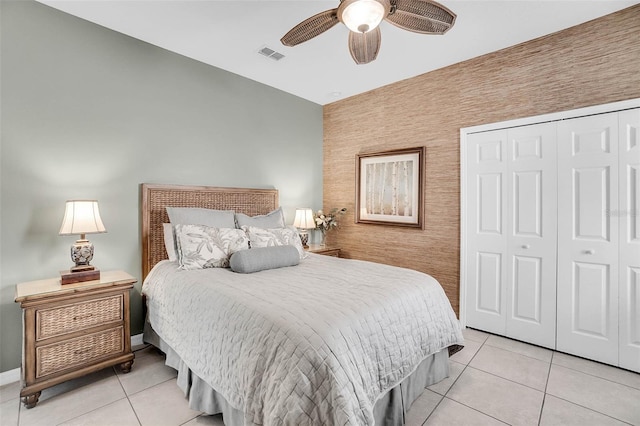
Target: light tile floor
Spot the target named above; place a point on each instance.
(493, 381)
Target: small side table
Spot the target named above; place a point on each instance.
(325, 250)
(72, 330)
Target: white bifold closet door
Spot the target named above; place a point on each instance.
(511, 232)
(629, 225)
(588, 237)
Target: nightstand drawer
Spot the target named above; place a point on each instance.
(77, 352)
(65, 319)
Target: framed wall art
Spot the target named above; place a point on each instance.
(389, 187)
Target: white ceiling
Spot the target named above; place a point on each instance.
(228, 35)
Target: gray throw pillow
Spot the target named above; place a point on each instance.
(274, 219)
(199, 216)
(259, 259)
(170, 241)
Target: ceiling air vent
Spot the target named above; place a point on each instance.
(270, 53)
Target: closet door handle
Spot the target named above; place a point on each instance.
(589, 251)
(526, 246)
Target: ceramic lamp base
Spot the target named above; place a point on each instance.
(81, 255)
(304, 238)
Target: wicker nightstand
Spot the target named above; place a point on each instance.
(326, 250)
(73, 330)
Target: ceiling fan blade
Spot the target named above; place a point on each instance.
(421, 16)
(311, 27)
(364, 47)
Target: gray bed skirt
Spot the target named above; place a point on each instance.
(389, 410)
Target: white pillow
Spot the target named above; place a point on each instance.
(169, 241)
(274, 219)
(199, 216)
(259, 237)
(201, 247)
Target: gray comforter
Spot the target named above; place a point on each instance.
(316, 343)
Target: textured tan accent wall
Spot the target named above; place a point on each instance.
(594, 63)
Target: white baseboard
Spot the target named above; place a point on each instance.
(136, 340)
(11, 376)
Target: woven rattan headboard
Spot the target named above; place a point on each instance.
(156, 197)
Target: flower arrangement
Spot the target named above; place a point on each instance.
(327, 221)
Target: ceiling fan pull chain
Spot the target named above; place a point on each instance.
(394, 7)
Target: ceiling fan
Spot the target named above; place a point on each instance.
(362, 17)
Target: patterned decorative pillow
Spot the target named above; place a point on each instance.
(202, 247)
(259, 237)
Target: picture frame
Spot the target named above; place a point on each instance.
(389, 187)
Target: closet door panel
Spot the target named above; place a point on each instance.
(531, 240)
(489, 203)
(486, 231)
(587, 287)
(629, 219)
(527, 290)
(591, 193)
(590, 299)
(489, 283)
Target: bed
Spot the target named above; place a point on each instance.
(329, 341)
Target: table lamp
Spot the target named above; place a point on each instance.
(81, 217)
(304, 221)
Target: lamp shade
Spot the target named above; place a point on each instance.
(304, 219)
(362, 16)
(82, 217)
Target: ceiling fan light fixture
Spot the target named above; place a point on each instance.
(362, 16)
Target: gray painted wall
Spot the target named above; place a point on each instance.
(91, 113)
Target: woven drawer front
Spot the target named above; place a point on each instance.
(78, 316)
(79, 351)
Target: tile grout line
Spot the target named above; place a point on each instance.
(544, 399)
(590, 409)
(191, 419)
(456, 380)
(434, 408)
(452, 384)
(474, 355)
(494, 375)
(546, 385)
(89, 412)
(545, 393)
(489, 335)
(600, 377)
(135, 413)
(508, 380)
(504, 378)
(115, 372)
(126, 395)
(525, 355)
(471, 408)
(575, 403)
(98, 408)
(19, 409)
(153, 386)
(553, 352)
